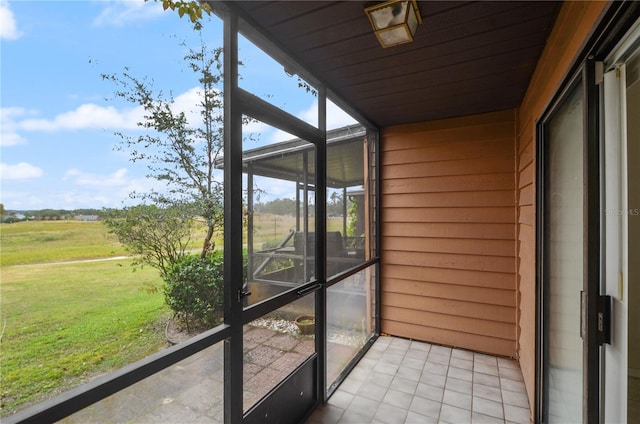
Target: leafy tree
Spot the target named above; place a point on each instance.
(3, 212)
(159, 237)
(191, 8)
(334, 205)
(179, 154)
(352, 213)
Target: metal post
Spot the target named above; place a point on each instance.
(232, 225)
(250, 223)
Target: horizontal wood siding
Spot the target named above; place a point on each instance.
(448, 232)
(575, 21)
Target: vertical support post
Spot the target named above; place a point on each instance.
(591, 285)
(305, 208)
(542, 307)
(298, 204)
(365, 213)
(250, 222)
(232, 224)
(344, 211)
(321, 246)
(375, 138)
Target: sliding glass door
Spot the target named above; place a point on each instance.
(563, 282)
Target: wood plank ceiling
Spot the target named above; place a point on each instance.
(467, 57)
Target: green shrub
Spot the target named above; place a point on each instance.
(194, 289)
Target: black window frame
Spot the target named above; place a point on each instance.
(237, 102)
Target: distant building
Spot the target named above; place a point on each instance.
(86, 217)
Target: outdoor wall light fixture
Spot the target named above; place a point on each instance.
(395, 21)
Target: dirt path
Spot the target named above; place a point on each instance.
(79, 261)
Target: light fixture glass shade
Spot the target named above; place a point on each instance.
(394, 22)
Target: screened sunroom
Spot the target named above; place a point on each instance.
(446, 213)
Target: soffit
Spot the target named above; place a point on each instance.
(467, 57)
(285, 160)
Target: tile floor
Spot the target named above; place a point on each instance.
(404, 381)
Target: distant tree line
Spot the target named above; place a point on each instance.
(276, 207)
(9, 215)
(288, 206)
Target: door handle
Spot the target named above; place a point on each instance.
(242, 294)
(603, 313)
(310, 289)
(583, 315)
(604, 320)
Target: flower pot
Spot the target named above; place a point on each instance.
(306, 324)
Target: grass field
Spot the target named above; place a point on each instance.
(51, 241)
(269, 228)
(64, 323)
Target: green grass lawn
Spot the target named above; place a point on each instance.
(65, 323)
(31, 242)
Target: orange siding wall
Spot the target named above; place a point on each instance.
(575, 22)
(448, 232)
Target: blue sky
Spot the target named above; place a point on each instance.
(58, 116)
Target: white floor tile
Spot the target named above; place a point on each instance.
(404, 381)
(488, 407)
(462, 354)
(486, 368)
(425, 407)
(340, 399)
(455, 415)
(404, 385)
(397, 398)
(461, 386)
(516, 414)
(458, 399)
(390, 414)
(441, 350)
(415, 418)
(429, 392)
(487, 392)
(515, 398)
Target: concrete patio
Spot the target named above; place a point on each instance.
(398, 381)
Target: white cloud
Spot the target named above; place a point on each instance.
(88, 188)
(80, 189)
(66, 199)
(88, 115)
(272, 188)
(8, 139)
(19, 171)
(189, 102)
(8, 130)
(256, 128)
(8, 27)
(120, 182)
(336, 118)
(93, 116)
(121, 12)
(11, 113)
(117, 179)
(23, 200)
(280, 135)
